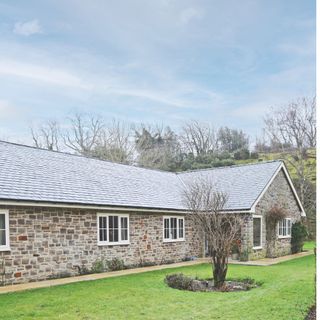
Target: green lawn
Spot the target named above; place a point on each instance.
(286, 293)
(309, 245)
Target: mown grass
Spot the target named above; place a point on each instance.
(286, 293)
(309, 245)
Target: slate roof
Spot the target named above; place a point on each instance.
(32, 174)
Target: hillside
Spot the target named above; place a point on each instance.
(310, 162)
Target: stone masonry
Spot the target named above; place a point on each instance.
(279, 193)
(50, 242)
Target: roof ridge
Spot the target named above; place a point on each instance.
(231, 166)
(138, 167)
(83, 156)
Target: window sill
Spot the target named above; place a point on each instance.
(3, 248)
(173, 240)
(284, 237)
(101, 244)
(257, 248)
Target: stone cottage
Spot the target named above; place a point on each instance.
(61, 212)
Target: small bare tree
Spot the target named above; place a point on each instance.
(220, 228)
(115, 143)
(83, 134)
(47, 135)
(198, 138)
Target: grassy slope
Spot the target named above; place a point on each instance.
(287, 292)
(310, 162)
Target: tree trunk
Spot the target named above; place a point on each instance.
(220, 268)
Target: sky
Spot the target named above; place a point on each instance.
(165, 61)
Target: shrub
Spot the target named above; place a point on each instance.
(242, 154)
(298, 235)
(178, 281)
(98, 267)
(254, 155)
(115, 264)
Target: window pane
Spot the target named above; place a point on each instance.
(289, 227)
(103, 235)
(173, 228)
(256, 232)
(285, 227)
(113, 229)
(124, 223)
(180, 228)
(2, 221)
(280, 228)
(2, 238)
(166, 229)
(103, 229)
(124, 228)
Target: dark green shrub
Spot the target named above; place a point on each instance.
(178, 281)
(115, 264)
(298, 235)
(254, 155)
(242, 154)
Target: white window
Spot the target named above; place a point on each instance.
(113, 229)
(173, 229)
(4, 230)
(284, 228)
(257, 232)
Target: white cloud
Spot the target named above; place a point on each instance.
(51, 75)
(27, 28)
(189, 14)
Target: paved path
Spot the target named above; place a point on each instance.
(90, 277)
(272, 261)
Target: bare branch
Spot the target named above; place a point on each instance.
(220, 228)
(47, 136)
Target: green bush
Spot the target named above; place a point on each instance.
(299, 234)
(242, 154)
(178, 281)
(98, 267)
(115, 264)
(254, 155)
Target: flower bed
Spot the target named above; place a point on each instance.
(182, 282)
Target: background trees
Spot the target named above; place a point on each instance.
(289, 133)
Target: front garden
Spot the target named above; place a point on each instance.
(286, 292)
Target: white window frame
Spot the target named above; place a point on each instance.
(257, 217)
(108, 243)
(6, 247)
(179, 239)
(287, 236)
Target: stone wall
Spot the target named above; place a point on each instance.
(51, 242)
(279, 193)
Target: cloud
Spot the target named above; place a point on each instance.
(189, 14)
(27, 28)
(50, 75)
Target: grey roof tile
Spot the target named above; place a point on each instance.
(32, 174)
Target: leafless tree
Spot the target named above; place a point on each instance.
(220, 228)
(115, 143)
(293, 125)
(47, 136)
(198, 138)
(83, 134)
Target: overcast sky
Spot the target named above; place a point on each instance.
(162, 61)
